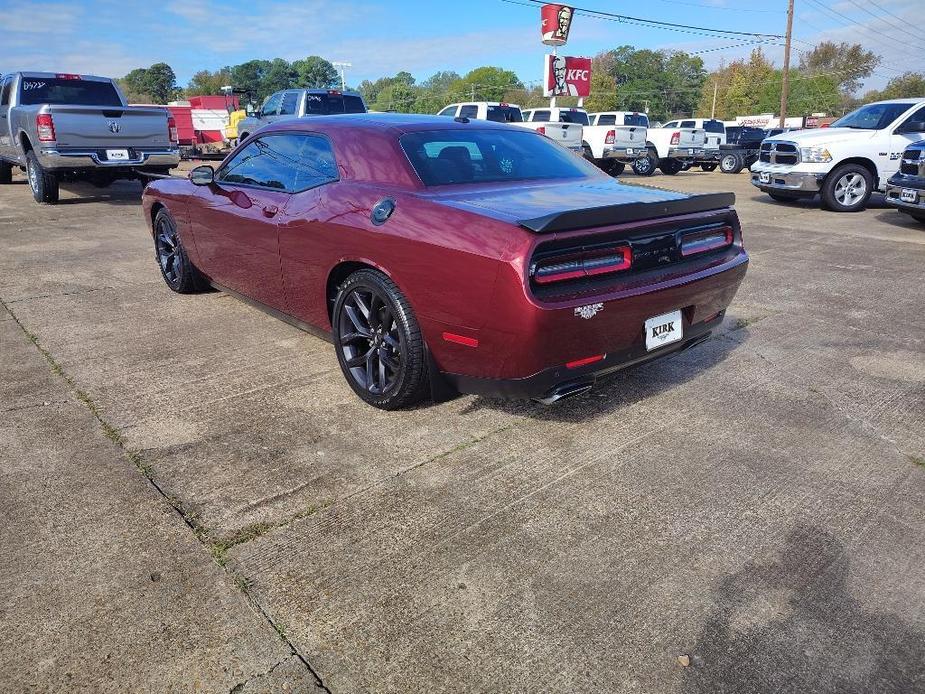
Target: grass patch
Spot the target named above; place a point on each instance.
(917, 460)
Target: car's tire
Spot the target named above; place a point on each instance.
(731, 163)
(178, 271)
(645, 166)
(670, 167)
(375, 333)
(6, 173)
(587, 152)
(847, 188)
(708, 167)
(615, 168)
(783, 197)
(44, 185)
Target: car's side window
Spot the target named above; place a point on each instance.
(271, 105)
(5, 91)
(917, 116)
(688, 124)
(289, 104)
(469, 111)
(448, 111)
(290, 162)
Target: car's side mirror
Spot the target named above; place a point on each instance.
(912, 126)
(202, 175)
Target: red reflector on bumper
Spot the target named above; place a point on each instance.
(461, 339)
(584, 362)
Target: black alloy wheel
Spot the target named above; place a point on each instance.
(176, 269)
(645, 166)
(378, 342)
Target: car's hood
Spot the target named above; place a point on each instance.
(824, 136)
(559, 205)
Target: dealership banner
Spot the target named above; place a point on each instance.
(567, 76)
(556, 20)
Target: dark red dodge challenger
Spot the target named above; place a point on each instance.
(446, 255)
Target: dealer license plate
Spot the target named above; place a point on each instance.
(663, 330)
(908, 195)
(117, 154)
(764, 177)
(629, 150)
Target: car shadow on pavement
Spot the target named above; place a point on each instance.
(791, 625)
(124, 194)
(894, 217)
(627, 387)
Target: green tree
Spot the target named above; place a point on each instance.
(314, 72)
(156, 84)
(486, 84)
(909, 84)
(206, 82)
(251, 76)
(280, 75)
(848, 64)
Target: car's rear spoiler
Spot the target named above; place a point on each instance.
(569, 220)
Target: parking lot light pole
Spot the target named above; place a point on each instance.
(342, 67)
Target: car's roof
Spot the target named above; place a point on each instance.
(397, 123)
(53, 75)
(910, 101)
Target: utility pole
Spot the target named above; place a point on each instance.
(713, 110)
(342, 67)
(785, 82)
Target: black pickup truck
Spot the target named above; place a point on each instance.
(906, 188)
(741, 148)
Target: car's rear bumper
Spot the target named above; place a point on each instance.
(56, 158)
(896, 186)
(559, 382)
(548, 345)
(686, 153)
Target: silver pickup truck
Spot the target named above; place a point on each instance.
(295, 103)
(64, 127)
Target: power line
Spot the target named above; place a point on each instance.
(887, 22)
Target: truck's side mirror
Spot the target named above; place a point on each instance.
(202, 175)
(912, 126)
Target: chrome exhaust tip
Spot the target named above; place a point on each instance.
(569, 390)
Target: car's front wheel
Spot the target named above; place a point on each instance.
(646, 165)
(176, 269)
(731, 163)
(44, 185)
(847, 189)
(378, 342)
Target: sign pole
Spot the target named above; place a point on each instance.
(552, 99)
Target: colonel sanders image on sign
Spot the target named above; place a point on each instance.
(561, 87)
(567, 76)
(557, 19)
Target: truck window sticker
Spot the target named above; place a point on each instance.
(28, 86)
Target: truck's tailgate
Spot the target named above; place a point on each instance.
(96, 127)
(692, 137)
(628, 135)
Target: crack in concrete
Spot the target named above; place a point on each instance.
(51, 296)
(147, 471)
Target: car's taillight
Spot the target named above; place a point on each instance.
(541, 130)
(172, 129)
(676, 138)
(67, 76)
(611, 136)
(695, 242)
(584, 263)
(45, 127)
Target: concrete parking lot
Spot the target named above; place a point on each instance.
(192, 499)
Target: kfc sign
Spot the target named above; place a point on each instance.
(566, 76)
(556, 21)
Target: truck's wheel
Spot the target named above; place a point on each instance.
(670, 167)
(6, 172)
(646, 165)
(586, 152)
(44, 185)
(731, 163)
(847, 188)
(708, 167)
(615, 168)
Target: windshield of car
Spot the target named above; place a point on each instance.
(77, 92)
(573, 117)
(327, 104)
(442, 157)
(640, 119)
(505, 114)
(872, 116)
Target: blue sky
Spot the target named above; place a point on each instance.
(111, 37)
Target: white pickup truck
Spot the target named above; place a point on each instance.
(845, 162)
(566, 134)
(564, 125)
(670, 149)
(615, 139)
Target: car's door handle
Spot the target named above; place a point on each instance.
(270, 210)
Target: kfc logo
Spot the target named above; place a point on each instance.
(567, 76)
(556, 21)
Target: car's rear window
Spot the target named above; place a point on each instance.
(714, 126)
(43, 90)
(573, 117)
(328, 104)
(639, 119)
(443, 157)
(505, 114)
